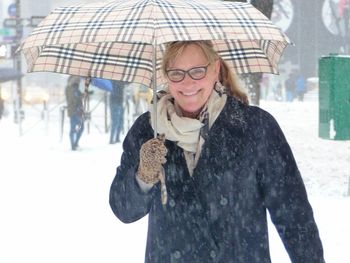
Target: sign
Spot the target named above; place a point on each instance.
(10, 39)
(335, 16)
(31, 22)
(3, 51)
(4, 32)
(34, 21)
(11, 10)
(8, 35)
(12, 22)
(283, 14)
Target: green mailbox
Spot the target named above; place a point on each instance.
(334, 97)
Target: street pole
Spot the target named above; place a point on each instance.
(18, 67)
(46, 116)
(106, 111)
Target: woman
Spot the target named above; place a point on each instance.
(225, 164)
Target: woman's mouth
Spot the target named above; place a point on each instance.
(190, 93)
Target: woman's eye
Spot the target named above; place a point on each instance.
(197, 72)
(176, 74)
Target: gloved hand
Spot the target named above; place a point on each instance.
(152, 156)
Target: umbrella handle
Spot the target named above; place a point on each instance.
(163, 190)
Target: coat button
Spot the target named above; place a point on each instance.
(172, 202)
(177, 254)
(223, 201)
(212, 254)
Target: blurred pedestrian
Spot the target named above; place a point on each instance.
(277, 92)
(300, 87)
(116, 100)
(289, 85)
(74, 98)
(219, 166)
(2, 104)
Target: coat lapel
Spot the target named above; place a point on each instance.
(224, 142)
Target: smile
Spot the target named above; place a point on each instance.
(190, 93)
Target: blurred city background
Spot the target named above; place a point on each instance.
(316, 27)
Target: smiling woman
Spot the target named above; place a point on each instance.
(204, 69)
(226, 164)
(190, 94)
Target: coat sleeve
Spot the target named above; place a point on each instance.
(286, 199)
(128, 202)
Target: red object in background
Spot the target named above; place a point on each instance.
(342, 5)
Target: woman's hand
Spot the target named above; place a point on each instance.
(152, 156)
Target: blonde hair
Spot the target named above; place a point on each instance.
(226, 75)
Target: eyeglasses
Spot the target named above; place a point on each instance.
(196, 73)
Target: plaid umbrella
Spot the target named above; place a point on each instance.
(124, 40)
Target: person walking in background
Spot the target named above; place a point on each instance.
(224, 164)
(300, 87)
(289, 85)
(116, 100)
(74, 98)
(277, 92)
(2, 104)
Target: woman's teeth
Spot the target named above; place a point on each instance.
(189, 93)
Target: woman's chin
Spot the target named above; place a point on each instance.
(191, 112)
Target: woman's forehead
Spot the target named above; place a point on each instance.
(190, 52)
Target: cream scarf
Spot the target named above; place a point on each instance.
(186, 131)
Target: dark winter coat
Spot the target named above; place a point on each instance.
(219, 214)
(74, 100)
(117, 93)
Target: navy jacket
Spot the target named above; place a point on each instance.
(220, 213)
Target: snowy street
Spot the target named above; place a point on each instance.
(54, 202)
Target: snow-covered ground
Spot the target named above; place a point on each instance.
(54, 202)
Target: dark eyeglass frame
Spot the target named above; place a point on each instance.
(188, 72)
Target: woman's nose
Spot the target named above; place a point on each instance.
(187, 78)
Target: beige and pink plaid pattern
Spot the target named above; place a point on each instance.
(115, 39)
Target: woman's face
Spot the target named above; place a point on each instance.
(189, 94)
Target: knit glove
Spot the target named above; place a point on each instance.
(152, 156)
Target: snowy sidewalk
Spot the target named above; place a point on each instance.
(54, 202)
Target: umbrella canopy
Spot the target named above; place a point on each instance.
(124, 40)
(8, 74)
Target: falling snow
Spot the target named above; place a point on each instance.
(54, 202)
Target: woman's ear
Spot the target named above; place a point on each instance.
(217, 66)
(217, 69)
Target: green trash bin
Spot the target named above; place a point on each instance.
(334, 97)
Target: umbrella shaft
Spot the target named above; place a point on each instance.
(154, 88)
